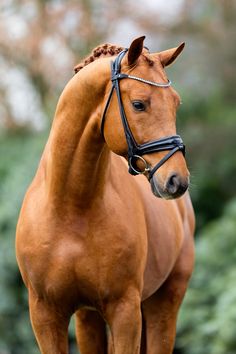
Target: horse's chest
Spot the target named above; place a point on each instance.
(96, 260)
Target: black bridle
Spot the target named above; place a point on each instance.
(172, 143)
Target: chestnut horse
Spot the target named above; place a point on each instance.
(94, 240)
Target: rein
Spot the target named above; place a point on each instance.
(172, 143)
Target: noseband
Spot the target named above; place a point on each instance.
(135, 151)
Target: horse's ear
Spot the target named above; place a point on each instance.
(167, 57)
(135, 50)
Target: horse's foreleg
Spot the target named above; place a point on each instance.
(124, 319)
(161, 309)
(90, 332)
(50, 326)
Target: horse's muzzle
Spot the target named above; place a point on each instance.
(173, 188)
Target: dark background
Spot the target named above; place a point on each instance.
(40, 42)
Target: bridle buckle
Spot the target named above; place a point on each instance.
(135, 171)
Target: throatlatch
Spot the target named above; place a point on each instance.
(172, 143)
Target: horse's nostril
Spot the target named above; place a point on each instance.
(173, 180)
(173, 184)
(176, 185)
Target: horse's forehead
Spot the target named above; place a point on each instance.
(150, 65)
(152, 59)
(147, 57)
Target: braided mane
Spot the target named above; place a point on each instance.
(104, 50)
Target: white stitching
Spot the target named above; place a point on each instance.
(150, 82)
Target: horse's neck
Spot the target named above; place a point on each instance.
(76, 156)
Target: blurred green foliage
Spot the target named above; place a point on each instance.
(207, 321)
(20, 153)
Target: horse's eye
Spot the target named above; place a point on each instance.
(138, 105)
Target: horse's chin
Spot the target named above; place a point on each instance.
(156, 190)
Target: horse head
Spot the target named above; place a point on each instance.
(139, 122)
